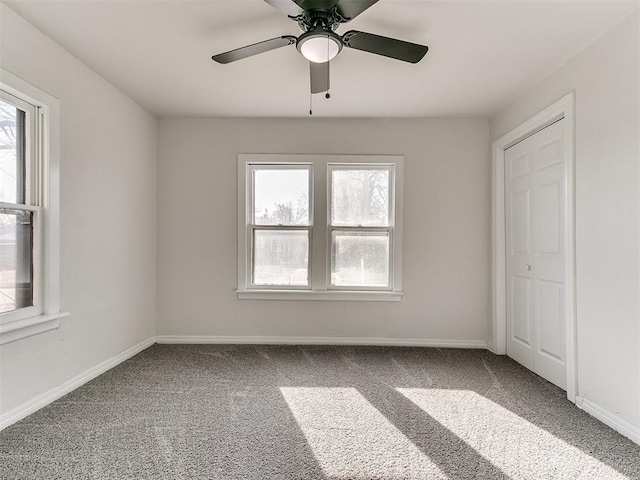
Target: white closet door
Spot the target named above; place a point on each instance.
(536, 278)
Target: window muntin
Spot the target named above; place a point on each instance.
(281, 225)
(360, 226)
(20, 212)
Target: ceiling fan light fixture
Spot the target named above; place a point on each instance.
(319, 47)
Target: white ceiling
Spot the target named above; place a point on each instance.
(483, 54)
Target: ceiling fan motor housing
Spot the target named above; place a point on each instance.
(311, 19)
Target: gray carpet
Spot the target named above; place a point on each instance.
(285, 412)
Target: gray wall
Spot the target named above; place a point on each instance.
(446, 230)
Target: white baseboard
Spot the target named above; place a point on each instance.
(254, 340)
(618, 424)
(55, 393)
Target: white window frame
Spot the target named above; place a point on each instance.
(389, 229)
(30, 203)
(320, 287)
(43, 193)
(252, 227)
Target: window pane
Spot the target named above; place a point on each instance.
(360, 197)
(16, 240)
(280, 257)
(281, 197)
(360, 259)
(12, 161)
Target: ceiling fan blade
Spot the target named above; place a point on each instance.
(319, 77)
(352, 8)
(388, 47)
(322, 5)
(288, 7)
(256, 48)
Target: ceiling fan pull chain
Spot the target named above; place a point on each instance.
(328, 47)
(328, 95)
(310, 104)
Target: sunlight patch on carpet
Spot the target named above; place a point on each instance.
(351, 439)
(513, 444)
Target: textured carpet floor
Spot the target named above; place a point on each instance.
(284, 412)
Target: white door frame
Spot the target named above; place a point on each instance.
(563, 108)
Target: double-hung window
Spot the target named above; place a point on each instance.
(20, 213)
(360, 225)
(29, 258)
(320, 227)
(280, 225)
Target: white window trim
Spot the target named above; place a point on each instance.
(49, 108)
(320, 288)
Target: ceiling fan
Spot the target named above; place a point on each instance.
(319, 43)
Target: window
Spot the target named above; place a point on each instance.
(28, 210)
(360, 226)
(319, 227)
(280, 225)
(19, 211)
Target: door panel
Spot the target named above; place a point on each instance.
(521, 309)
(548, 213)
(520, 224)
(535, 178)
(550, 153)
(549, 321)
(519, 168)
(548, 227)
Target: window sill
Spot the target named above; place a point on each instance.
(19, 329)
(333, 295)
